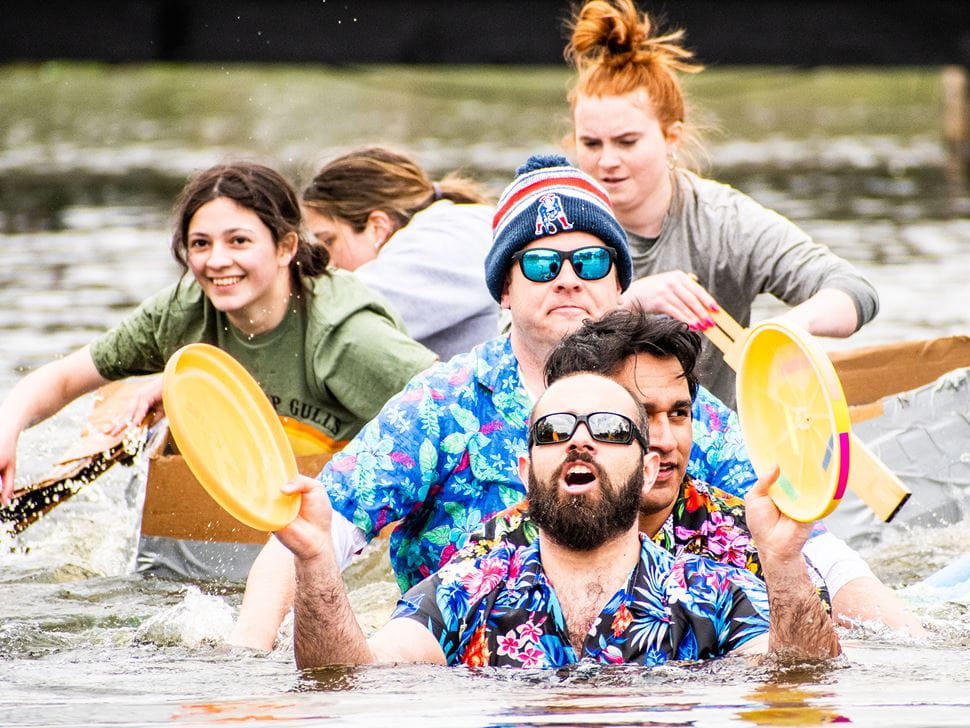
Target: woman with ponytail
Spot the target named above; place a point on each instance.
(631, 133)
(323, 348)
(418, 243)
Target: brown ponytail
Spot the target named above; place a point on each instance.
(352, 186)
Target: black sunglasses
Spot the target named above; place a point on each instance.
(541, 265)
(608, 427)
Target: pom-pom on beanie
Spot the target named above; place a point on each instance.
(550, 196)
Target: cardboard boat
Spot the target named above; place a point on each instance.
(910, 404)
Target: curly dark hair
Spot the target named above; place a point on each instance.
(605, 345)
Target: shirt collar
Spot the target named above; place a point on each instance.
(497, 371)
(495, 362)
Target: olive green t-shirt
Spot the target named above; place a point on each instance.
(333, 361)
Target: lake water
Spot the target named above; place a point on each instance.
(90, 159)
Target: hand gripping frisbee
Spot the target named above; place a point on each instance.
(793, 413)
(230, 436)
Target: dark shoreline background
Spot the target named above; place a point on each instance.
(336, 32)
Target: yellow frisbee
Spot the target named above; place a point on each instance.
(793, 413)
(230, 436)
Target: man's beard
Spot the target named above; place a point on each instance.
(584, 521)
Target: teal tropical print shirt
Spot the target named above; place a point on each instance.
(442, 456)
(500, 610)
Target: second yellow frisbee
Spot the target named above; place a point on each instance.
(793, 413)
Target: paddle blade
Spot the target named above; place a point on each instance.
(875, 484)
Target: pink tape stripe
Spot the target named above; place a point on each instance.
(843, 465)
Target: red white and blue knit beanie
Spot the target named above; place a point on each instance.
(550, 196)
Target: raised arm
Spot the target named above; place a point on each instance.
(325, 629)
(799, 625)
(270, 583)
(35, 398)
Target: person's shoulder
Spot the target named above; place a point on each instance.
(510, 526)
(333, 284)
(448, 222)
(719, 199)
(485, 356)
(448, 210)
(705, 578)
(451, 379)
(173, 307)
(705, 400)
(338, 294)
(483, 569)
(710, 194)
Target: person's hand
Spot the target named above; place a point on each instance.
(674, 293)
(779, 538)
(8, 463)
(147, 399)
(309, 534)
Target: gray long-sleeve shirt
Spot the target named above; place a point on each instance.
(738, 249)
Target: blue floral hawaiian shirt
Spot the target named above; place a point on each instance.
(501, 610)
(442, 456)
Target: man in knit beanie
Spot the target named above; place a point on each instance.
(549, 197)
(558, 257)
(442, 455)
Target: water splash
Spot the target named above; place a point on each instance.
(198, 620)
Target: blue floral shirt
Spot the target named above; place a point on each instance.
(501, 610)
(442, 456)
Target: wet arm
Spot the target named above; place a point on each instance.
(327, 633)
(271, 581)
(325, 630)
(866, 599)
(799, 626)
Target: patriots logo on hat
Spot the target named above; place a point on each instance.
(551, 214)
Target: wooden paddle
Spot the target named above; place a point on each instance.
(875, 484)
(84, 461)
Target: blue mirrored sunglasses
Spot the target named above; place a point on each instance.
(543, 264)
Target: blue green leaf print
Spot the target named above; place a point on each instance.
(439, 536)
(465, 418)
(428, 462)
(454, 443)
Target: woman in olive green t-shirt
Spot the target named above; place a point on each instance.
(325, 349)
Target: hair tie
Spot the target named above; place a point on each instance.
(437, 191)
